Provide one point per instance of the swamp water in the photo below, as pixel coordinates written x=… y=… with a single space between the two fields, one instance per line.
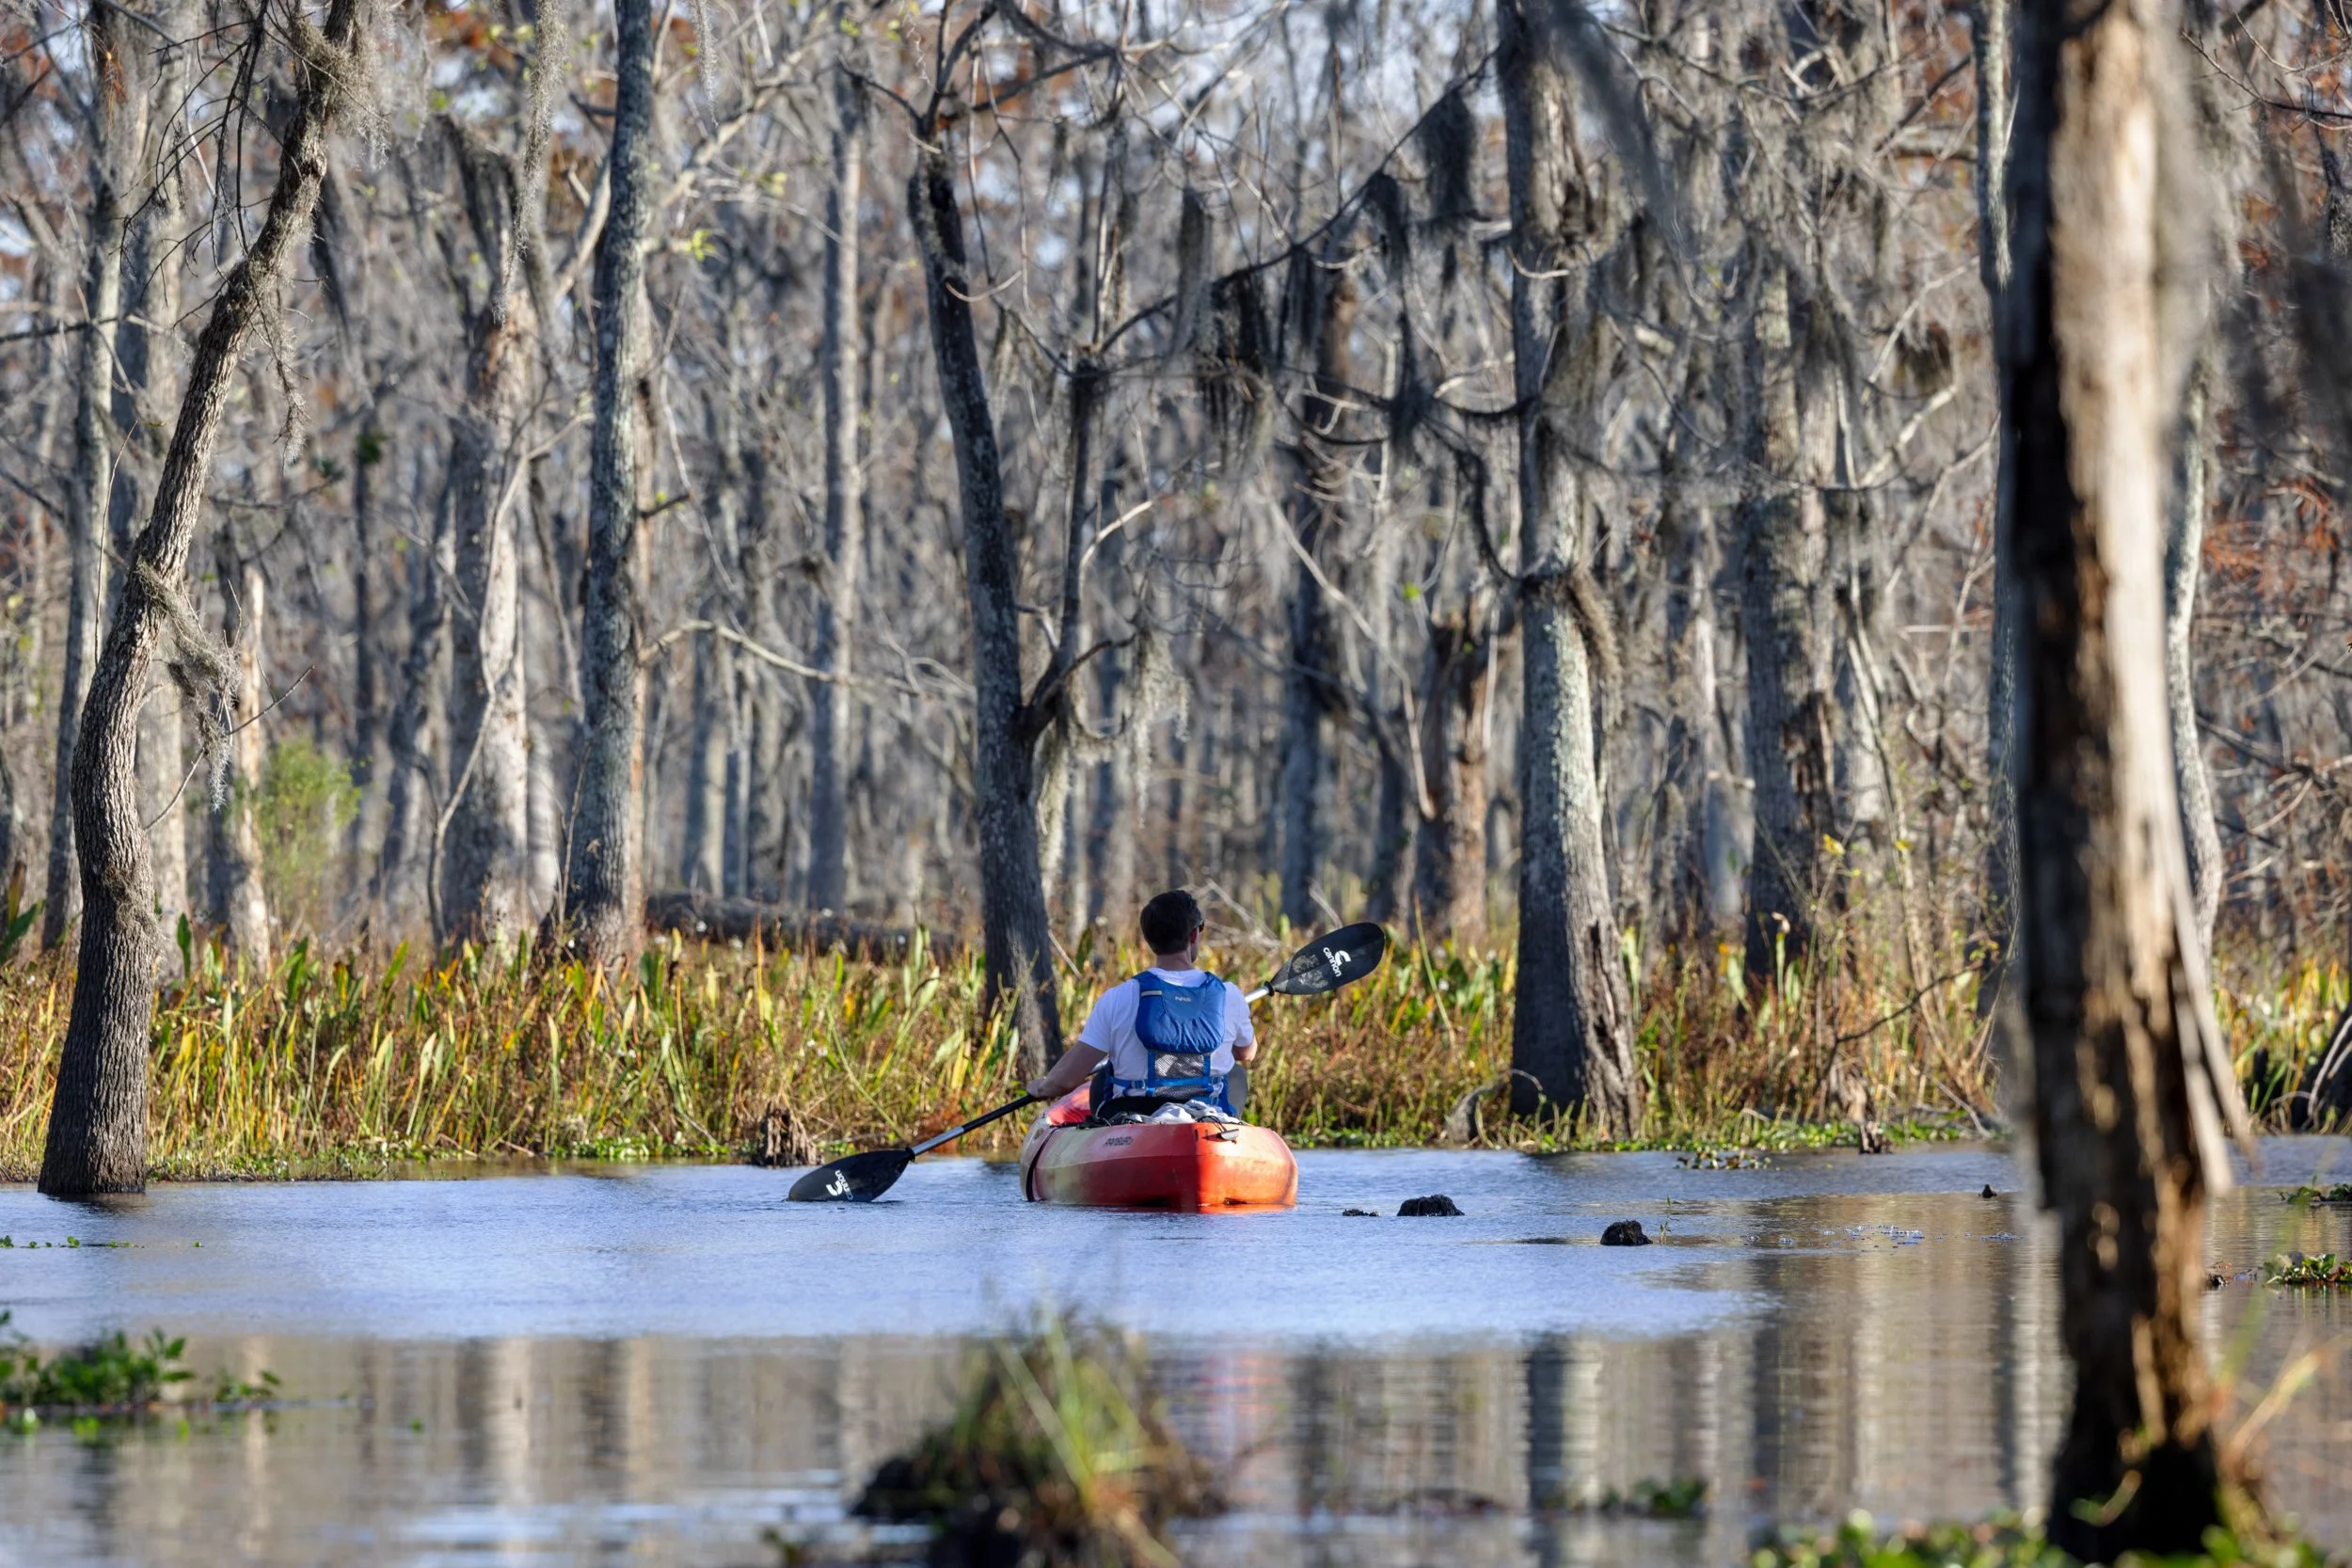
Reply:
x=659 y=1364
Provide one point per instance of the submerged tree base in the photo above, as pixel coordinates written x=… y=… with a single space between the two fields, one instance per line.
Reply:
x=1057 y=1452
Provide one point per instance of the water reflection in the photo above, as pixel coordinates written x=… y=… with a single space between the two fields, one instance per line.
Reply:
x=1804 y=1352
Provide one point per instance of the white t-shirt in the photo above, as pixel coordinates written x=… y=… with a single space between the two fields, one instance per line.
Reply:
x=1110 y=1028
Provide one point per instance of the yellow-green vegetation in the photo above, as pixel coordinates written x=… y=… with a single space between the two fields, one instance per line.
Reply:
x=302 y=804
x=342 y=1064
x=1058 y=1451
x=2003 y=1543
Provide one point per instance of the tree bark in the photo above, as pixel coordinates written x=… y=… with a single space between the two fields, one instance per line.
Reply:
x=1783 y=609
x=232 y=864
x=116 y=124
x=414 y=781
x=1450 y=848
x=148 y=347
x=485 y=851
x=766 y=835
x=2132 y=1083
x=1698 y=877
x=486 y=855
x=604 y=898
x=367 y=680
x=97 y=1140
x=1572 y=1018
x=702 y=858
x=2184 y=545
x=1318 y=507
x=1991 y=32
x=1016 y=943
x=830 y=865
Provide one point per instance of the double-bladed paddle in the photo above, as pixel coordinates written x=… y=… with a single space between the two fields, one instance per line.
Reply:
x=1329 y=962
x=1323 y=965
x=864 y=1178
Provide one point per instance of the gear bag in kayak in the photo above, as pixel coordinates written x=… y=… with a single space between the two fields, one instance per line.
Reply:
x=1182 y=1028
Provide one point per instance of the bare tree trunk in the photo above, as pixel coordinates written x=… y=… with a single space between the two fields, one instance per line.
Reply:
x=1394 y=844
x=1111 y=827
x=829 y=861
x=1699 y=861
x=1995 y=104
x=736 y=838
x=367 y=681
x=148 y=346
x=486 y=850
x=414 y=782
x=1017 y=955
x=604 y=897
x=763 y=833
x=234 y=894
x=2184 y=544
x=1318 y=507
x=97 y=1140
x=1572 y=1015
x=2130 y=1080
x=1450 y=848
x=1784 y=609
x=117 y=125
x=702 y=863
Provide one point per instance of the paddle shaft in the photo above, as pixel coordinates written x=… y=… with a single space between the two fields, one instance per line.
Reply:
x=954 y=1132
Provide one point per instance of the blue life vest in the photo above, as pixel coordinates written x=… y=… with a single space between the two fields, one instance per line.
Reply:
x=1182 y=1028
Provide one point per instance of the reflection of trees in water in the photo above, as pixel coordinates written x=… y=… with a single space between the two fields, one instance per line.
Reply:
x=1915 y=1381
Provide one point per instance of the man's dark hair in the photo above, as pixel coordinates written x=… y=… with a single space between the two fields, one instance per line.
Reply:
x=1170 y=920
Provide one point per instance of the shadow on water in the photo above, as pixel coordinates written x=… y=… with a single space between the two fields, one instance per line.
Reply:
x=658 y=1365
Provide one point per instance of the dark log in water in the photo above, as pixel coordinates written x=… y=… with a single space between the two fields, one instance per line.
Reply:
x=713 y=918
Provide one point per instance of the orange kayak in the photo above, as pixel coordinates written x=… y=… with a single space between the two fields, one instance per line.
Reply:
x=1186 y=1164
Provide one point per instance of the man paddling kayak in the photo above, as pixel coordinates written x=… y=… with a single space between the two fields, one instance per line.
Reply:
x=1173 y=1033
x=1191 y=1163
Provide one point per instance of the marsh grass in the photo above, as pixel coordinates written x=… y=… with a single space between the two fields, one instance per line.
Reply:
x=345 y=1064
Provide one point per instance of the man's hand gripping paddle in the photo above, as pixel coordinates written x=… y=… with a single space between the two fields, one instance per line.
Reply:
x=1323 y=965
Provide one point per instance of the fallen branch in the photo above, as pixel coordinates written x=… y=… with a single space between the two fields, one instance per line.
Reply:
x=714 y=918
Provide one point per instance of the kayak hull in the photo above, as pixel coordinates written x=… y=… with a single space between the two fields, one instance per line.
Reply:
x=1185 y=1166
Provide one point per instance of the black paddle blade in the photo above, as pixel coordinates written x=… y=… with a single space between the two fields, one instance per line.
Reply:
x=1331 y=961
x=854 y=1178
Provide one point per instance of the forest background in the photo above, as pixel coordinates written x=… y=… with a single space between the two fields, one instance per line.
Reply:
x=1525 y=474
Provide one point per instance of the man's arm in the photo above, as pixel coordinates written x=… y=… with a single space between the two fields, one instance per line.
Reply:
x=1245 y=1028
x=1076 y=1066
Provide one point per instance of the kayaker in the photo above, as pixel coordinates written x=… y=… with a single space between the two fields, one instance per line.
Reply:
x=1173 y=1033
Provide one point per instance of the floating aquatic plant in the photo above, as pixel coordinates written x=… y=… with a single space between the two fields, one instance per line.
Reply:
x=2004 y=1542
x=2308 y=1195
x=112 y=1377
x=2314 y=1271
